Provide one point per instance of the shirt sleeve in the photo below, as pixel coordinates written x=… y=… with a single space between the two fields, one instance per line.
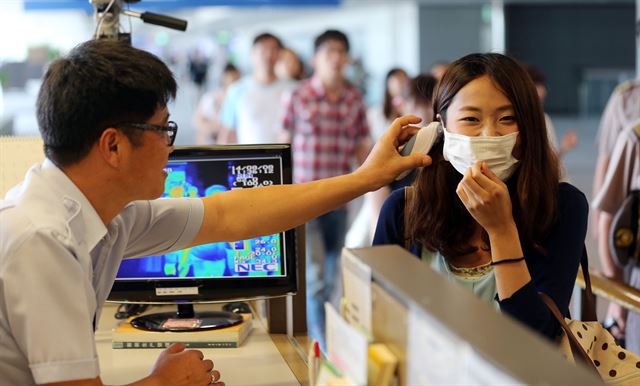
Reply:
x=610 y=124
x=50 y=308
x=163 y=225
x=554 y=273
x=617 y=181
x=289 y=116
x=390 y=227
x=206 y=106
x=229 y=112
x=363 y=131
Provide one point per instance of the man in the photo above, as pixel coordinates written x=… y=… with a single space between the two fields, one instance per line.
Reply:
x=622 y=109
x=326 y=123
x=206 y=119
x=102 y=113
x=623 y=176
x=252 y=110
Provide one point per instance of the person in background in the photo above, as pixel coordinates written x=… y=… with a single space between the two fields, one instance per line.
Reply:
x=623 y=176
x=93 y=201
x=198 y=69
x=483 y=214
x=289 y=66
x=439 y=68
x=418 y=97
x=418 y=101
x=570 y=138
x=360 y=232
x=326 y=124
x=207 y=116
x=395 y=85
x=252 y=110
x=622 y=109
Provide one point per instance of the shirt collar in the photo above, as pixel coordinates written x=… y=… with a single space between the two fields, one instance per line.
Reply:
x=318 y=88
x=83 y=218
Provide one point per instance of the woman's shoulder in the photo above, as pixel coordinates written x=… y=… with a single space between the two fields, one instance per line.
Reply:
x=571 y=198
x=395 y=201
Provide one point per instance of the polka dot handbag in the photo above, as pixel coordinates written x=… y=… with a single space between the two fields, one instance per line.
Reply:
x=590 y=343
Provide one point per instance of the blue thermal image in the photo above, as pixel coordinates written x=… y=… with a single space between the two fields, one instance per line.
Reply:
x=260 y=256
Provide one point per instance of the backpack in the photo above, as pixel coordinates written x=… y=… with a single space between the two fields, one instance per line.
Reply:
x=624 y=237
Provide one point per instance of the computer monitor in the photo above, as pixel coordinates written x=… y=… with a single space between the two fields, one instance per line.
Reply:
x=256 y=268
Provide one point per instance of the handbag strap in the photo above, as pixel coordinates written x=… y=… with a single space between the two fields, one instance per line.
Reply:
x=589 y=299
x=408 y=196
x=577 y=350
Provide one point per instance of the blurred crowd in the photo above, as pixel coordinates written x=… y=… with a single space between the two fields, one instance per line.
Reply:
x=315 y=108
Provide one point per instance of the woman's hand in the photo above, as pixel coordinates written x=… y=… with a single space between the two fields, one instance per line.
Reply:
x=486 y=198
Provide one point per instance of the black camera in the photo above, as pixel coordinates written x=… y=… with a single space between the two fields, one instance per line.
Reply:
x=108 y=19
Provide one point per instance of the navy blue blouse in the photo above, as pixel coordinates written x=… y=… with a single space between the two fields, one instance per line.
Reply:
x=553 y=273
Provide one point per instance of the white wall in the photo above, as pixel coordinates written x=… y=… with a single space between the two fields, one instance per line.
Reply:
x=58 y=29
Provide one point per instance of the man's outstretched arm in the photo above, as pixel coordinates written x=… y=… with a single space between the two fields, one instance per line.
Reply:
x=245 y=213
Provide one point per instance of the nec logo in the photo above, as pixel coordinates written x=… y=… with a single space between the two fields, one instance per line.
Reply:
x=268 y=267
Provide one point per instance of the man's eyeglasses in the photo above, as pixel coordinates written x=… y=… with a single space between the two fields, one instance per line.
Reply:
x=171 y=129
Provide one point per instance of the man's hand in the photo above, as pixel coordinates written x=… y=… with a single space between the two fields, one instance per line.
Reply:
x=385 y=163
x=179 y=367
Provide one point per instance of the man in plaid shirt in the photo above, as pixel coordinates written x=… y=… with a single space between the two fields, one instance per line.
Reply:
x=326 y=123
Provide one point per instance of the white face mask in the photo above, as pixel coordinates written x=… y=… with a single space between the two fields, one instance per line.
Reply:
x=463 y=151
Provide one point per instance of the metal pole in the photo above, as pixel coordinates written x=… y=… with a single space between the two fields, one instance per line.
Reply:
x=498 y=40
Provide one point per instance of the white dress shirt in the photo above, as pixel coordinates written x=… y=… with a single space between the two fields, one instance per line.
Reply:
x=58 y=262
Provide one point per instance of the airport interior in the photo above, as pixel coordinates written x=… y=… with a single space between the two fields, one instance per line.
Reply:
x=289 y=92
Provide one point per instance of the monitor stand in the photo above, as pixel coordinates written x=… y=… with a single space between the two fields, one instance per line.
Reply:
x=186 y=319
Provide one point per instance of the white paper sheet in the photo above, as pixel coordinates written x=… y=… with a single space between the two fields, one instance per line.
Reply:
x=357 y=291
x=479 y=371
x=437 y=357
x=347 y=347
x=434 y=355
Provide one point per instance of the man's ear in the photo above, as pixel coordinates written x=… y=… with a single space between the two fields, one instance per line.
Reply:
x=110 y=146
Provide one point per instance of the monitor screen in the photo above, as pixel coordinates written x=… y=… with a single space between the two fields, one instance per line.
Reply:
x=259 y=267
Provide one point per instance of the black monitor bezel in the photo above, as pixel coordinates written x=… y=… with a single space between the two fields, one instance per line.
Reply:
x=144 y=291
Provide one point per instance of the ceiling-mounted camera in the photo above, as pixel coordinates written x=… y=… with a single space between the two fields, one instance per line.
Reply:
x=108 y=19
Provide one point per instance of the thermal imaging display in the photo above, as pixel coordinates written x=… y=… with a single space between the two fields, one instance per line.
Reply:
x=199 y=177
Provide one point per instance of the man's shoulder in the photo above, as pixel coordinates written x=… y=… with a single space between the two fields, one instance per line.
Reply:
x=634 y=130
x=19 y=227
x=353 y=90
x=303 y=87
x=629 y=86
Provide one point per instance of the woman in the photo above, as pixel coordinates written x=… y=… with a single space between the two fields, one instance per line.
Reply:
x=490 y=213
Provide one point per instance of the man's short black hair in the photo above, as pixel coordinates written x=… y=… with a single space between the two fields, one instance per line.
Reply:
x=99 y=84
x=333 y=35
x=266 y=36
x=230 y=67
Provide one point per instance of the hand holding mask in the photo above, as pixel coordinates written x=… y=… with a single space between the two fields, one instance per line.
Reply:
x=486 y=198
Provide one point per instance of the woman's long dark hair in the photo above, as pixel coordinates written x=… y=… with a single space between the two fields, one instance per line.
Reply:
x=437 y=219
